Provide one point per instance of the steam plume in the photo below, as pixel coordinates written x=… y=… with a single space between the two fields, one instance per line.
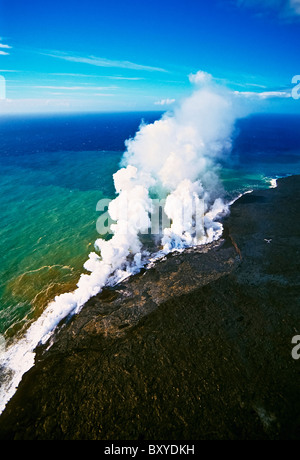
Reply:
x=176 y=159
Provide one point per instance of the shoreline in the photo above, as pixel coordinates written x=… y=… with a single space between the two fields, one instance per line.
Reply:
x=219 y=263
x=21 y=355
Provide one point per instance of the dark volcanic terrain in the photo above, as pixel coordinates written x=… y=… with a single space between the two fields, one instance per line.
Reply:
x=197 y=347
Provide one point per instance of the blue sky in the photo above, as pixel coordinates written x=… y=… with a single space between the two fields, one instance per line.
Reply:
x=129 y=55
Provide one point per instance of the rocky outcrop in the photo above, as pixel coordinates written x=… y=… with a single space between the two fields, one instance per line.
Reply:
x=197 y=347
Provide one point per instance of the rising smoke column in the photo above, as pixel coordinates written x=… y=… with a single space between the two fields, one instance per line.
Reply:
x=176 y=158
x=181 y=152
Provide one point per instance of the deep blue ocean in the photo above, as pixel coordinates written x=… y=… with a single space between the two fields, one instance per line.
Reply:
x=54 y=170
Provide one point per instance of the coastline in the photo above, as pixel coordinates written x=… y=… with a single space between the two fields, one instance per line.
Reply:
x=19 y=357
x=115 y=362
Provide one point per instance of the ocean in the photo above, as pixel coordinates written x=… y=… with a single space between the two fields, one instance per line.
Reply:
x=55 y=169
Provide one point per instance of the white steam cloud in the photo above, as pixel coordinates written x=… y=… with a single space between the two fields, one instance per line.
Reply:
x=200 y=77
x=165 y=102
x=175 y=159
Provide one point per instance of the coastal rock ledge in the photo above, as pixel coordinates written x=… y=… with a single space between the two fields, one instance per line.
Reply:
x=197 y=347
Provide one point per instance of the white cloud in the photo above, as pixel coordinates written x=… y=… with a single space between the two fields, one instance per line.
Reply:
x=200 y=77
x=124 y=78
x=103 y=62
x=77 y=88
x=105 y=94
x=6 y=47
x=165 y=102
x=283 y=8
x=295 y=6
x=264 y=94
x=110 y=77
x=71 y=75
x=94 y=94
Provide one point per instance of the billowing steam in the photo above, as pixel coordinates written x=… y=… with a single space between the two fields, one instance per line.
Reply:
x=174 y=160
